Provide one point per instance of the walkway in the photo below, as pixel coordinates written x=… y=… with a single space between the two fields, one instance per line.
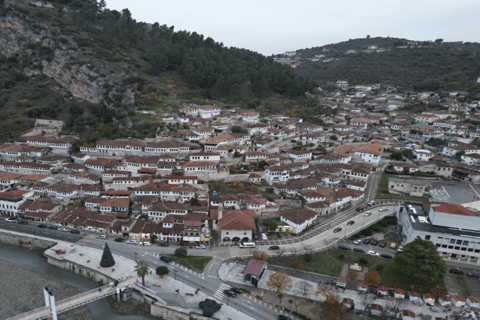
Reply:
x=75 y=301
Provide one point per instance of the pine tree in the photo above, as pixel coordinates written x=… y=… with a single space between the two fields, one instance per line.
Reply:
x=107 y=258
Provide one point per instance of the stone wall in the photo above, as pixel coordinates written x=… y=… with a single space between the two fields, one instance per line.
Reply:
x=24 y=241
x=79 y=269
x=165 y=312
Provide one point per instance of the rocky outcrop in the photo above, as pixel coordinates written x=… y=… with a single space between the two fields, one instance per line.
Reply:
x=80 y=74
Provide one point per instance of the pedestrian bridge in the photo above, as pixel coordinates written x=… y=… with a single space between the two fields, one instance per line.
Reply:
x=86 y=297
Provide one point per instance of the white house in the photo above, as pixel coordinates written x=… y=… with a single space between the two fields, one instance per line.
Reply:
x=298 y=219
x=11 y=200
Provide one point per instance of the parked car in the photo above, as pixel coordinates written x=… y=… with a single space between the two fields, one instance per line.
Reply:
x=393 y=245
x=274 y=248
x=400 y=248
x=118 y=239
x=201 y=246
x=75 y=231
x=349 y=223
x=338 y=229
x=63 y=229
x=22 y=222
x=145 y=243
x=366 y=241
x=163 y=244
x=52 y=227
x=371 y=203
x=359 y=209
x=254 y=236
x=264 y=236
x=345 y=248
x=473 y=275
x=383 y=209
x=357 y=241
x=374 y=242
x=166 y=259
x=13 y=220
x=359 y=250
x=131 y=242
x=230 y=293
x=368 y=213
x=102 y=236
x=237 y=290
x=373 y=253
x=43 y=226
x=386 y=256
x=382 y=245
x=456 y=271
x=282 y=317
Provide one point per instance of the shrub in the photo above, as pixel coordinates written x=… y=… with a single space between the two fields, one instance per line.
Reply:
x=366 y=232
x=362 y=261
x=181 y=252
x=341 y=257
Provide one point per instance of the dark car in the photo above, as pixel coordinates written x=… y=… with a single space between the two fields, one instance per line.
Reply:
x=274 y=248
x=358 y=250
x=163 y=244
x=118 y=239
x=456 y=271
x=43 y=226
x=22 y=222
x=52 y=227
x=337 y=230
x=230 y=293
x=254 y=236
x=349 y=223
x=359 y=209
x=282 y=317
x=345 y=248
x=236 y=290
x=366 y=241
x=374 y=242
x=382 y=245
x=166 y=259
x=75 y=231
x=473 y=275
x=386 y=256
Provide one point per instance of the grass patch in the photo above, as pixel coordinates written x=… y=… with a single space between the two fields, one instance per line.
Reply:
x=195 y=263
x=383 y=193
x=466 y=290
x=270 y=195
x=146 y=117
x=329 y=262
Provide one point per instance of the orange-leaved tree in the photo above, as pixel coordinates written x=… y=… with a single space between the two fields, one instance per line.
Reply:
x=280 y=282
x=295 y=265
x=438 y=290
x=260 y=255
x=373 y=278
x=352 y=275
x=331 y=309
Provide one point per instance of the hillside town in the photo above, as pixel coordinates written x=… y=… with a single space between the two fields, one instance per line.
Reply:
x=212 y=176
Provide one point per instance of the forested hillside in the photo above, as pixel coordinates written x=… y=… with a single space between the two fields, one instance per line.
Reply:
x=422 y=65
x=83 y=63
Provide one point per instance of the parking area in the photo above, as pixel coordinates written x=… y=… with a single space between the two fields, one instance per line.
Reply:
x=455 y=192
x=462 y=284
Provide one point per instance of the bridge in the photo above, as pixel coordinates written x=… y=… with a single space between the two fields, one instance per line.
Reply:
x=86 y=297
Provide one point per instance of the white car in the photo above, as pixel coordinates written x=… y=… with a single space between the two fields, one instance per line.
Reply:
x=145 y=243
x=102 y=236
x=368 y=213
x=373 y=253
x=383 y=209
x=63 y=229
x=400 y=248
x=131 y=242
x=200 y=247
x=371 y=203
x=13 y=220
x=357 y=241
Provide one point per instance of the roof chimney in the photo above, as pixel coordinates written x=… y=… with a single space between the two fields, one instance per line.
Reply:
x=220 y=212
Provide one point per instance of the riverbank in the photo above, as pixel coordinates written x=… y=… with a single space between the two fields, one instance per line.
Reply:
x=22 y=291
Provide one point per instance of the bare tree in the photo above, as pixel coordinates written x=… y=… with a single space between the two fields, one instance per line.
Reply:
x=304 y=289
x=367 y=300
x=392 y=308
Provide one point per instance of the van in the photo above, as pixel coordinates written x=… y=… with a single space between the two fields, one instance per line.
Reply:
x=264 y=236
x=247 y=245
x=393 y=245
x=358 y=250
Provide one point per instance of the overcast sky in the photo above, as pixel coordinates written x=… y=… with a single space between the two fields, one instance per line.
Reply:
x=271 y=27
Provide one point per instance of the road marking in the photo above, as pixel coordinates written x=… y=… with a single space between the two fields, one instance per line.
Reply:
x=478 y=195
x=219 y=293
x=449 y=195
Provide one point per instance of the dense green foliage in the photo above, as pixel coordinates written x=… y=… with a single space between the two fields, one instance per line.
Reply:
x=431 y=67
x=161 y=67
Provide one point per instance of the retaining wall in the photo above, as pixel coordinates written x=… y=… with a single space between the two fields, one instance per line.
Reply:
x=164 y=312
x=24 y=241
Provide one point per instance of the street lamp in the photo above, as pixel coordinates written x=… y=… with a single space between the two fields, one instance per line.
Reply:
x=175 y=273
x=135 y=256
x=34 y=234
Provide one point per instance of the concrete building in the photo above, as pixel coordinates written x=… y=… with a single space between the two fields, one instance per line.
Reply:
x=414 y=188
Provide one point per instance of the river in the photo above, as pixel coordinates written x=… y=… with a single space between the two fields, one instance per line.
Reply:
x=28 y=259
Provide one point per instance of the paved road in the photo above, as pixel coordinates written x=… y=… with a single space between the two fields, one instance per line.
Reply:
x=34 y=230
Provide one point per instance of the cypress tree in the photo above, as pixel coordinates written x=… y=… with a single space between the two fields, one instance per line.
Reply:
x=107 y=258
